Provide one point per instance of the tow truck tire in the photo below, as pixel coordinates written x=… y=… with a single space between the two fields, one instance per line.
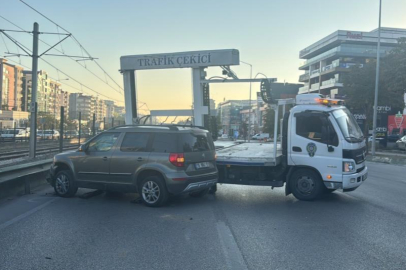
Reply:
x=306 y=185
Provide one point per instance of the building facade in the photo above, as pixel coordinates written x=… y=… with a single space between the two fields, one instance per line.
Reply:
x=230 y=116
x=85 y=104
x=329 y=58
x=11 y=90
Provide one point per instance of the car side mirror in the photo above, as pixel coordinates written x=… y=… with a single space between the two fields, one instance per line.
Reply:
x=83 y=148
x=330 y=148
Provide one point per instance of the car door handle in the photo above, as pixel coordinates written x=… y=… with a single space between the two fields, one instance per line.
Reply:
x=140 y=159
x=296 y=149
x=104 y=158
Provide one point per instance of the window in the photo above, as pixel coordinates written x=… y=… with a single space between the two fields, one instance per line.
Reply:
x=135 y=142
x=103 y=143
x=190 y=142
x=165 y=143
x=316 y=128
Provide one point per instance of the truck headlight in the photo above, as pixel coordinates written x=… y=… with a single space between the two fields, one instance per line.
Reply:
x=348 y=166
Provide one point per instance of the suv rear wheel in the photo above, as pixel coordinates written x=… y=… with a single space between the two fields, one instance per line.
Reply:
x=153 y=191
x=64 y=185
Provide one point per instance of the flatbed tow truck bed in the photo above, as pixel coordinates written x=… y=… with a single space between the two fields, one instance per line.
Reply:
x=249 y=154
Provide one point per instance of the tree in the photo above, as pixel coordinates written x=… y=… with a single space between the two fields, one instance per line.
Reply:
x=359 y=83
x=244 y=130
x=269 y=121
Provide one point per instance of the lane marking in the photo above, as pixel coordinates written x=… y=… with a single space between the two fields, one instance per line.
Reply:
x=26 y=214
x=230 y=248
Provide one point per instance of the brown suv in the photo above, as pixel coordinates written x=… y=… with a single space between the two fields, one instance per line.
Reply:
x=155 y=161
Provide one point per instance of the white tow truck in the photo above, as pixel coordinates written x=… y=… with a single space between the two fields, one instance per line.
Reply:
x=322 y=149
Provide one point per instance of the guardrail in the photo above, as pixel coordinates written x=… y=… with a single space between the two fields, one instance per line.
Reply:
x=19 y=178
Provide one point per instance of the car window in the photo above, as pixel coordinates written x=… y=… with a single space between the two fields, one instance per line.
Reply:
x=165 y=143
x=103 y=143
x=190 y=142
x=135 y=142
x=312 y=128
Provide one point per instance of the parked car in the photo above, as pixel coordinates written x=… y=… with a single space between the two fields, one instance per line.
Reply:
x=370 y=139
x=71 y=134
x=393 y=137
x=260 y=136
x=48 y=134
x=224 y=136
x=401 y=143
x=155 y=161
x=17 y=134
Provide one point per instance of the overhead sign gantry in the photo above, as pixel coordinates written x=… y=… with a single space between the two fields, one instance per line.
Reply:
x=196 y=60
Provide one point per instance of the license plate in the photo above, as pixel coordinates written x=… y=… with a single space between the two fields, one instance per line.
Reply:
x=364 y=177
x=201 y=165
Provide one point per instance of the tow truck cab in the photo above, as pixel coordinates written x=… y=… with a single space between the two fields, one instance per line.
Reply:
x=322 y=149
x=324 y=135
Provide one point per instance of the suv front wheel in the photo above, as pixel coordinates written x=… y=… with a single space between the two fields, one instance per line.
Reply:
x=153 y=191
x=64 y=185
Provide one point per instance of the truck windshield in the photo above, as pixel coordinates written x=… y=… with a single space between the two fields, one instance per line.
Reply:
x=348 y=125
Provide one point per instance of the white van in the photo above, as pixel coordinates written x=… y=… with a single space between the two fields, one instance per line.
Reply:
x=260 y=136
x=18 y=134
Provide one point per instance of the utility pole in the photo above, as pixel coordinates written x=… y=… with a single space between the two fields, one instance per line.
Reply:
x=34 y=86
x=376 y=81
x=250 y=107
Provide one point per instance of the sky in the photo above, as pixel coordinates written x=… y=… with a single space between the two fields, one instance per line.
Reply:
x=268 y=34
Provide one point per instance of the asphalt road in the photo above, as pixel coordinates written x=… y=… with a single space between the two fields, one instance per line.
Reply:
x=238 y=228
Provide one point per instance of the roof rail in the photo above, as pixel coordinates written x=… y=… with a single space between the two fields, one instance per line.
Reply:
x=173 y=127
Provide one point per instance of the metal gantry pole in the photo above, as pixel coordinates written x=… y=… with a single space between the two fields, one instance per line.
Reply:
x=250 y=108
x=61 y=129
x=376 y=81
x=80 y=126
x=34 y=86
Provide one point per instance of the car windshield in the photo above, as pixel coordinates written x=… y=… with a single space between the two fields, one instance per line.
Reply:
x=348 y=125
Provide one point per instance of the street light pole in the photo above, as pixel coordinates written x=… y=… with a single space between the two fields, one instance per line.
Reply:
x=249 y=111
x=376 y=81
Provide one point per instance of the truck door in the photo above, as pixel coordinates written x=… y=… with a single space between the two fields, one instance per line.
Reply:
x=314 y=142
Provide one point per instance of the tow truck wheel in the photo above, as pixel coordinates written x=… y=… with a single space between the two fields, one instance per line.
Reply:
x=306 y=185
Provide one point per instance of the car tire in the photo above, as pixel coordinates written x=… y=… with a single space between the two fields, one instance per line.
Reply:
x=306 y=185
x=199 y=194
x=64 y=185
x=153 y=192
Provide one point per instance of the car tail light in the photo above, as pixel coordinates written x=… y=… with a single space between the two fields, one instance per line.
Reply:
x=177 y=159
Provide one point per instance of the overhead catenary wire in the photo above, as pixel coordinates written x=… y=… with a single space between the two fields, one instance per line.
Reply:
x=70 y=57
x=74 y=38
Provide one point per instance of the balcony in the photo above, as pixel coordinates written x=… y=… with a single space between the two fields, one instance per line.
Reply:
x=315 y=73
x=331 y=83
x=304 y=77
x=304 y=89
x=315 y=86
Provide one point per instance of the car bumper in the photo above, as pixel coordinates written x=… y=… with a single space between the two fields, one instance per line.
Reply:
x=178 y=184
x=350 y=181
x=353 y=181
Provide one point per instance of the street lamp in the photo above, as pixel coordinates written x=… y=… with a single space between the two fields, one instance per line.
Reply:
x=249 y=112
x=376 y=81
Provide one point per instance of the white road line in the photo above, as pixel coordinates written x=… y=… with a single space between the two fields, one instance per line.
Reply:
x=232 y=253
x=26 y=214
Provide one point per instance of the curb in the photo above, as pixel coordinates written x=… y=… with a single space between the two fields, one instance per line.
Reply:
x=395 y=160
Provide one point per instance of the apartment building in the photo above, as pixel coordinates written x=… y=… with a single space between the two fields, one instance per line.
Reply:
x=326 y=60
x=10 y=86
